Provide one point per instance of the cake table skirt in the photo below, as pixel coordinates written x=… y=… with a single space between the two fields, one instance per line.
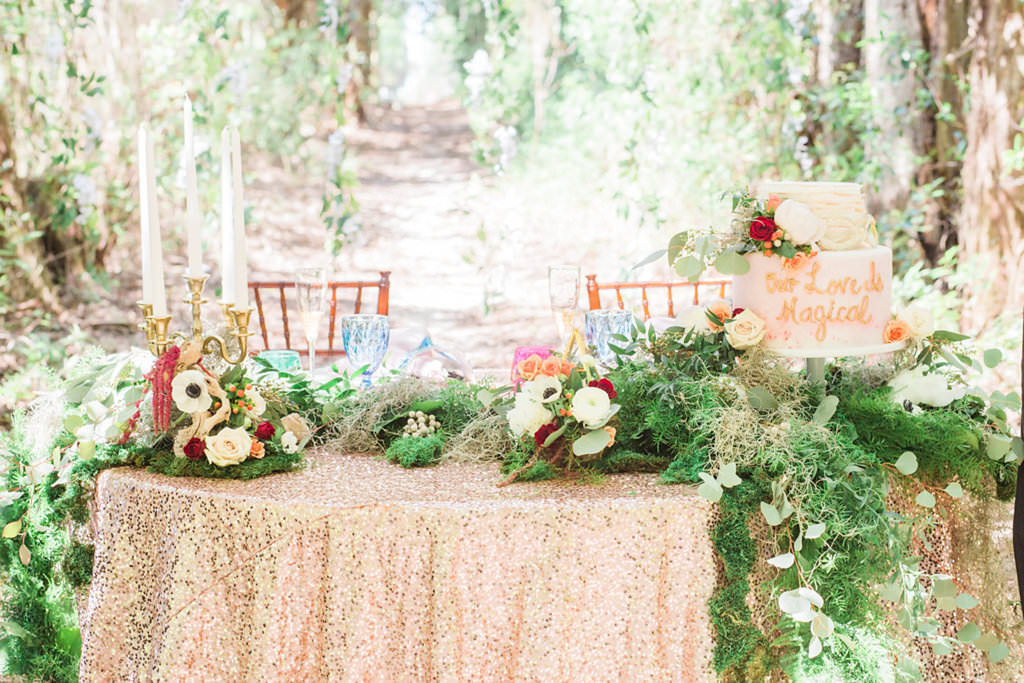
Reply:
x=355 y=569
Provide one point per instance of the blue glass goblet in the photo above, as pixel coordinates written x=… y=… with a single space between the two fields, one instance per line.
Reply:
x=601 y=326
x=365 y=337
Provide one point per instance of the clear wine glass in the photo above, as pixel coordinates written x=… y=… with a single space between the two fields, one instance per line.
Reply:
x=311 y=288
x=601 y=327
x=564 y=293
x=365 y=337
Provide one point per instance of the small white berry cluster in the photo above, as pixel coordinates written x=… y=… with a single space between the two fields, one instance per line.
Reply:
x=420 y=424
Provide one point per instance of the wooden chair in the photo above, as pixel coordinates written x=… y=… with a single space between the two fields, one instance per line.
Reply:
x=594 y=292
x=383 y=287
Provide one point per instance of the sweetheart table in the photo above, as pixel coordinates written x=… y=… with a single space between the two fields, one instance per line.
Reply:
x=356 y=569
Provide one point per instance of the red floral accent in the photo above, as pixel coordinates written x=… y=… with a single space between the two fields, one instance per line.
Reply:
x=542 y=434
x=265 y=431
x=160 y=377
x=195 y=449
x=762 y=228
x=736 y=312
x=605 y=385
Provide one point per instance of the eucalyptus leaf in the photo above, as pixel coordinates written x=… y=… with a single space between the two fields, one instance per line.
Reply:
x=943 y=587
x=651 y=258
x=941 y=647
x=998 y=653
x=986 y=642
x=892 y=591
x=925 y=499
x=591 y=442
x=955 y=490
x=676 y=244
x=86 y=450
x=761 y=399
x=906 y=463
x=771 y=515
x=553 y=436
x=485 y=398
x=946 y=335
x=710 y=490
x=815 y=530
x=11 y=529
x=826 y=409
x=783 y=561
x=966 y=601
x=24 y=554
x=73 y=422
x=731 y=263
x=968 y=633
x=727 y=476
x=997 y=446
x=689 y=267
x=992 y=357
x=946 y=604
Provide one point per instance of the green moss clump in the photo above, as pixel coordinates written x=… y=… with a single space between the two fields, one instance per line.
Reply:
x=415 y=451
x=77 y=564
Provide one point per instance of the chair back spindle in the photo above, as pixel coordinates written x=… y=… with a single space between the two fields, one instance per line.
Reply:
x=594 y=292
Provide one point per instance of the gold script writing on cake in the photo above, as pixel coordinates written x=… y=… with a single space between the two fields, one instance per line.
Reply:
x=821 y=314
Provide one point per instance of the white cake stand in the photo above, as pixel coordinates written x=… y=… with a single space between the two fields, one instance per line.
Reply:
x=816 y=357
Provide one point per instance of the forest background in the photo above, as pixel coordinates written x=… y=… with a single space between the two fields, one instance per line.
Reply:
x=492 y=136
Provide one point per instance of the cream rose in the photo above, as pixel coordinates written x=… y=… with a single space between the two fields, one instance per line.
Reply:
x=799 y=223
x=745 y=330
x=229 y=446
x=528 y=415
x=845 y=233
x=919 y=319
x=294 y=423
x=591 y=405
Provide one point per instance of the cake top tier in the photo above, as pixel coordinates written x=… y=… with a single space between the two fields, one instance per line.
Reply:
x=841 y=205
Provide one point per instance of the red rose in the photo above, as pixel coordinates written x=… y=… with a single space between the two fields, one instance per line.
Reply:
x=264 y=431
x=542 y=434
x=762 y=228
x=194 y=449
x=605 y=385
x=736 y=312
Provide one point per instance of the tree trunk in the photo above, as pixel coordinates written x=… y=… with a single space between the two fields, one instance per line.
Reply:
x=993 y=209
x=362 y=37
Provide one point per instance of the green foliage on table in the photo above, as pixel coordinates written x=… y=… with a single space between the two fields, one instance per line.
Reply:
x=415 y=451
x=162 y=460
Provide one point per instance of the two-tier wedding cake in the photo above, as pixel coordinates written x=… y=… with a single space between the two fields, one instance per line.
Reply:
x=836 y=296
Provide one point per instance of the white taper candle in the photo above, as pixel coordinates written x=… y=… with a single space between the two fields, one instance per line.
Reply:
x=227 y=224
x=147 y=253
x=238 y=211
x=192 y=230
x=155 y=244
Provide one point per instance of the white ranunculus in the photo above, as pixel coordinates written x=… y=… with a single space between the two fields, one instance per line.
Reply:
x=799 y=223
x=229 y=446
x=527 y=416
x=694 y=318
x=289 y=443
x=919 y=319
x=544 y=389
x=845 y=233
x=745 y=330
x=259 y=405
x=188 y=389
x=927 y=388
x=591 y=405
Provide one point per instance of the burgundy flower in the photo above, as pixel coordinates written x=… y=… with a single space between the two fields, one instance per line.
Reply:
x=194 y=449
x=542 y=434
x=762 y=228
x=605 y=385
x=265 y=431
x=736 y=312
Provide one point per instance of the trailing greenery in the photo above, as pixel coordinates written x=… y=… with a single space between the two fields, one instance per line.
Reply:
x=163 y=461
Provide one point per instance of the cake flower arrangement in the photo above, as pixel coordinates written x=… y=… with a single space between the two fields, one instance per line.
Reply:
x=562 y=408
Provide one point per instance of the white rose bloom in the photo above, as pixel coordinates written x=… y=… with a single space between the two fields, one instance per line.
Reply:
x=527 y=416
x=930 y=389
x=591 y=405
x=544 y=389
x=229 y=446
x=745 y=330
x=799 y=223
x=289 y=443
x=259 y=405
x=694 y=318
x=920 y=320
x=844 y=233
x=188 y=389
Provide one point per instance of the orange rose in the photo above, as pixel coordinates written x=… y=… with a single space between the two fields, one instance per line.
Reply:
x=773 y=202
x=552 y=366
x=567 y=367
x=797 y=262
x=529 y=369
x=895 y=331
x=722 y=309
x=611 y=433
x=257 y=450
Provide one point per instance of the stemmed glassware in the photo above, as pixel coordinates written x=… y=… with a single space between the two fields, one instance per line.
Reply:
x=311 y=288
x=564 y=293
x=601 y=328
x=366 y=337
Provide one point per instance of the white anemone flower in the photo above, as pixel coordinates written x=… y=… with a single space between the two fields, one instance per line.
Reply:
x=544 y=388
x=188 y=389
x=289 y=443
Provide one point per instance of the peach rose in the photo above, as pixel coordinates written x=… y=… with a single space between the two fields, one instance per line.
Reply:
x=257 y=449
x=530 y=368
x=611 y=433
x=773 y=202
x=895 y=331
x=567 y=367
x=552 y=366
x=722 y=309
x=798 y=262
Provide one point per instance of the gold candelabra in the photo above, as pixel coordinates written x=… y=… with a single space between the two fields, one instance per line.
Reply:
x=157 y=328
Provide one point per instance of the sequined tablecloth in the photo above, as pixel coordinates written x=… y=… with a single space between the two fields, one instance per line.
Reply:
x=355 y=569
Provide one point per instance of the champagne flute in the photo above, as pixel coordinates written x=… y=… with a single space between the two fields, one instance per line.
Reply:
x=311 y=287
x=564 y=293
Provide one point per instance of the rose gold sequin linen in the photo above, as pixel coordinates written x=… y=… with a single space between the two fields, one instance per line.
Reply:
x=356 y=569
